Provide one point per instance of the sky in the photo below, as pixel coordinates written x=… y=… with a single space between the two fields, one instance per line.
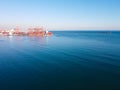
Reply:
x=61 y=14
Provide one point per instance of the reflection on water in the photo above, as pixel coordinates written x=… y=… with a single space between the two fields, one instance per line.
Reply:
x=67 y=60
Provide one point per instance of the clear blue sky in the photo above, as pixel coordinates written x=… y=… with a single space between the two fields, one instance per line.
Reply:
x=61 y=14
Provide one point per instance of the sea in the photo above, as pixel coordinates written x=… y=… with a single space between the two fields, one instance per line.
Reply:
x=67 y=60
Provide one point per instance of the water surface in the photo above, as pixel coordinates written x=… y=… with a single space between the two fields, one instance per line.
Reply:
x=69 y=60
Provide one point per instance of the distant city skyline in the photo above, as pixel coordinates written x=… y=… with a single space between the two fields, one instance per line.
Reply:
x=61 y=14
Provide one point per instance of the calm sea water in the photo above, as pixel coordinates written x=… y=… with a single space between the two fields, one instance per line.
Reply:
x=69 y=60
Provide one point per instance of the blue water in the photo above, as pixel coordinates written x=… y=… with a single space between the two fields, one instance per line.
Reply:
x=69 y=60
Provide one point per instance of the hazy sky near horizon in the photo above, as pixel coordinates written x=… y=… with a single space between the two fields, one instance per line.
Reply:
x=61 y=14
